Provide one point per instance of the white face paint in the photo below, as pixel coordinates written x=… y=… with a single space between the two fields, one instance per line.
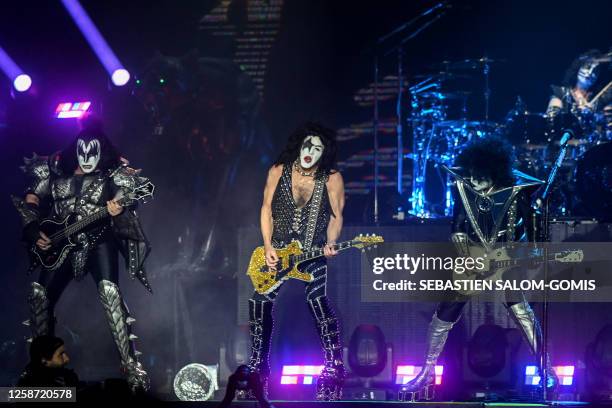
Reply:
x=587 y=74
x=481 y=184
x=88 y=154
x=311 y=151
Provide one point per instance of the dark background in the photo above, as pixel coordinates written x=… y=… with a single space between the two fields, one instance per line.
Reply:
x=321 y=57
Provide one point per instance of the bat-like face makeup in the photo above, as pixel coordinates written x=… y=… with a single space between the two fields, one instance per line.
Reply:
x=311 y=151
x=88 y=153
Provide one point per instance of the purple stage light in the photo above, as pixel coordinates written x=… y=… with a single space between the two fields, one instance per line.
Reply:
x=119 y=75
x=67 y=110
x=21 y=81
x=564 y=373
x=406 y=373
x=300 y=374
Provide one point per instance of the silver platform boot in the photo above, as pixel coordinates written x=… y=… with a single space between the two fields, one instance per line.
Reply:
x=41 y=318
x=422 y=386
x=525 y=319
x=120 y=321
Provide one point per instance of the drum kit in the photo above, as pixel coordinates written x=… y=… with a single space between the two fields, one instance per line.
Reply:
x=441 y=129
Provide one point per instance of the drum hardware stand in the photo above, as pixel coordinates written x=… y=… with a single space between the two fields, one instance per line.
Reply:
x=540 y=206
x=487 y=92
x=399 y=110
x=375 y=132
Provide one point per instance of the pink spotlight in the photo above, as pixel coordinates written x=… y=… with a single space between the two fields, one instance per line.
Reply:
x=289 y=380
x=66 y=110
x=564 y=373
x=300 y=374
x=406 y=373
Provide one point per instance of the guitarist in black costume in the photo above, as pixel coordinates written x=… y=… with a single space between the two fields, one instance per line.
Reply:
x=303 y=200
x=492 y=206
x=86 y=177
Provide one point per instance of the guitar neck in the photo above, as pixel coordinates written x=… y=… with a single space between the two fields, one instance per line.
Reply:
x=521 y=261
x=316 y=253
x=83 y=223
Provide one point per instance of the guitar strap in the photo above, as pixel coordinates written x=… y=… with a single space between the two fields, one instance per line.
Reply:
x=313 y=214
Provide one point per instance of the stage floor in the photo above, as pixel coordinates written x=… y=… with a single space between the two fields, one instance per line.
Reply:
x=390 y=404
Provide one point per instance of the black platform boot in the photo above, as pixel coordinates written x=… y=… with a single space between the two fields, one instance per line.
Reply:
x=329 y=384
x=261 y=323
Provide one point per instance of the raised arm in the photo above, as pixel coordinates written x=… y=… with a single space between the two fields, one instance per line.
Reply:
x=335 y=190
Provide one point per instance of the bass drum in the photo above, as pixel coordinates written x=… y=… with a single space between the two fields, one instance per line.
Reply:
x=594 y=183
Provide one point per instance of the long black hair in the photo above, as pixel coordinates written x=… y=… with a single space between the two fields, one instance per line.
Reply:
x=92 y=128
x=291 y=152
x=570 y=77
x=488 y=157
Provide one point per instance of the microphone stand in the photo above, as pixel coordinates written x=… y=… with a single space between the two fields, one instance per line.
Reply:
x=540 y=205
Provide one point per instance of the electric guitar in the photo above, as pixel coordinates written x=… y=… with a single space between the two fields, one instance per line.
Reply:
x=499 y=260
x=62 y=232
x=265 y=280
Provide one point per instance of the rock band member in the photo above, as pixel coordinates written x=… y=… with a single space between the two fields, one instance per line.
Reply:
x=87 y=177
x=584 y=79
x=493 y=206
x=303 y=200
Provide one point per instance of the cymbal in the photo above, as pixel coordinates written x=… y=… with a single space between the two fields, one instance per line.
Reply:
x=470 y=63
x=441 y=76
x=444 y=95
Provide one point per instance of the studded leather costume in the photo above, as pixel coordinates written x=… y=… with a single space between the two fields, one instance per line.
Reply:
x=97 y=252
x=309 y=226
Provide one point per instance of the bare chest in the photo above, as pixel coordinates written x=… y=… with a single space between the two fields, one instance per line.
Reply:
x=301 y=188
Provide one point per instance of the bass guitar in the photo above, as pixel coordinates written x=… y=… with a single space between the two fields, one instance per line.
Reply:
x=62 y=232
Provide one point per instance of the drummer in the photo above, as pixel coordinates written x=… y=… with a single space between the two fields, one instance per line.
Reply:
x=582 y=82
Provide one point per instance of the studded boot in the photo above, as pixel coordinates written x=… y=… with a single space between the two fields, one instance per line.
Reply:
x=120 y=323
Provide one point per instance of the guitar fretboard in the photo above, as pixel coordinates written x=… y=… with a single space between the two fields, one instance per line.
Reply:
x=79 y=225
x=315 y=253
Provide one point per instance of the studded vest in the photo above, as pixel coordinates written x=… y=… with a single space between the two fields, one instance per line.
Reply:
x=308 y=223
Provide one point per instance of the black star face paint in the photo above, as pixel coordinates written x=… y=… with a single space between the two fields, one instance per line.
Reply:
x=311 y=151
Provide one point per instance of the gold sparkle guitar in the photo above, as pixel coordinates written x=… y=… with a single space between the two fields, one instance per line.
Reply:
x=266 y=280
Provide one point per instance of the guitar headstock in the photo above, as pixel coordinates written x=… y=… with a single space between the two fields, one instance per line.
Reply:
x=366 y=241
x=570 y=256
x=139 y=193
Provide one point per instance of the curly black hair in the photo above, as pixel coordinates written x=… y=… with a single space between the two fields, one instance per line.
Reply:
x=291 y=152
x=569 y=78
x=92 y=128
x=488 y=157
